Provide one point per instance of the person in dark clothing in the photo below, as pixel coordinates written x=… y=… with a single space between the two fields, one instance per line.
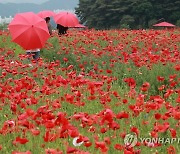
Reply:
x=47 y=19
x=61 y=29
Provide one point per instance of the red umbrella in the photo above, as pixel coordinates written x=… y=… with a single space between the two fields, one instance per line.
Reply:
x=29 y=30
x=80 y=26
x=164 y=24
x=46 y=13
x=66 y=19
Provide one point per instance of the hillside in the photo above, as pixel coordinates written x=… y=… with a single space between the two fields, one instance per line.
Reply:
x=13 y=8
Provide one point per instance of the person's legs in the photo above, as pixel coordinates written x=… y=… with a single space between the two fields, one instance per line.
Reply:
x=29 y=55
x=36 y=55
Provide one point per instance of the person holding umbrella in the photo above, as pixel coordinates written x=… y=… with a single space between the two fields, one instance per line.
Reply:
x=47 y=19
x=65 y=20
x=30 y=32
x=46 y=14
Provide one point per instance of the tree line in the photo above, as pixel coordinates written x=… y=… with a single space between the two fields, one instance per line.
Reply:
x=134 y=14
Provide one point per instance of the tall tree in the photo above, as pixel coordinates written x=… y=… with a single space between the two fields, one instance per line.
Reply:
x=167 y=9
x=105 y=14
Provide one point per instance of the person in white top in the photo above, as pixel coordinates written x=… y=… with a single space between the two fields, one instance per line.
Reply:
x=35 y=53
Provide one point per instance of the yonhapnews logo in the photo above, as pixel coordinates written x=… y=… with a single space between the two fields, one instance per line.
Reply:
x=131 y=140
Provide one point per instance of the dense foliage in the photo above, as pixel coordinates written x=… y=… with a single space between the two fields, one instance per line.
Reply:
x=105 y=14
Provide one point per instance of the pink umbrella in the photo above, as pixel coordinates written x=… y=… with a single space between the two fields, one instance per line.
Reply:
x=46 y=13
x=29 y=30
x=66 y=19
x=80 y=26
x=164 y=24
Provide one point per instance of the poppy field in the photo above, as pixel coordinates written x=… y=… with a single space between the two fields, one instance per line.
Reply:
x=89 y=90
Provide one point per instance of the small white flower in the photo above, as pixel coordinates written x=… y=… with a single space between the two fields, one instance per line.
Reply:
x=30 y=65
x=11 y=123
x=75 y=142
